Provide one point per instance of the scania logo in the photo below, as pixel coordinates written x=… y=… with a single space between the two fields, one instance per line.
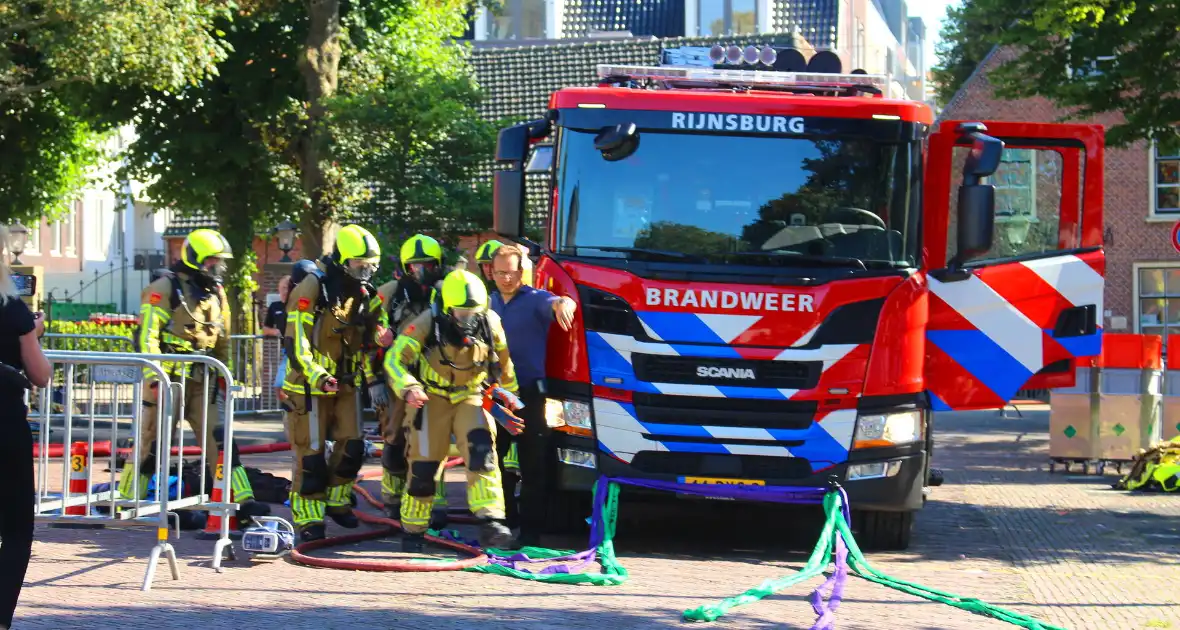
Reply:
x=705 y=371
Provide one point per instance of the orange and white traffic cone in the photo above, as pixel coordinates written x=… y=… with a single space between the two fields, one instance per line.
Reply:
x=79 y=465
x=213 y=521
x=79 y=471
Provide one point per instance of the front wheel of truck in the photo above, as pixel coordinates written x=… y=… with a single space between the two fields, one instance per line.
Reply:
x=882 y=531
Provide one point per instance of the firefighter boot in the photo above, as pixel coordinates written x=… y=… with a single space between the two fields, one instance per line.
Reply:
x=393 y=510
x=438 y=519
x=413 y=543
x=495 y=535
x=438 y=512
x=248 y=510
x=312 y=532
x=343 y=517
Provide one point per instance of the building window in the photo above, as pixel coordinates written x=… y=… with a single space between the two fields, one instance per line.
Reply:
x=71 y=235
x=55 y=235
x=1028 y=204
x=1167 y=175
x=1016 y=187
x=516 y=19
x=727 y=17
x=1157 y=292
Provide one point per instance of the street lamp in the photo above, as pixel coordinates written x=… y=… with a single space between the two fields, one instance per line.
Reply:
x=18 y=239
x=285 y=234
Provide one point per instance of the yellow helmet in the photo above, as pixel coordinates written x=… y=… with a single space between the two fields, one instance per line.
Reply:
x=354 y=242
x=464 y=298
x=487 y=251
x=420 y=248
x=202 y=244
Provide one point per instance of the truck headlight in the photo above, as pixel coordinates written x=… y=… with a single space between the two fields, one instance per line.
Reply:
x=569 y=415
x=888 y=429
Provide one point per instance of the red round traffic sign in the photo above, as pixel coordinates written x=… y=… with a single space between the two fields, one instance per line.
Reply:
x=1176 y=236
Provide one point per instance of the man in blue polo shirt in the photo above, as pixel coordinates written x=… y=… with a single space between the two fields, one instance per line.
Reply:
x=526 y=314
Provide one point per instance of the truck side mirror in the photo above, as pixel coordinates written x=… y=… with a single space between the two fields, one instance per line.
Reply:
x=977 y=200
x=508 y=203
x=618 y=142
x=512 y=147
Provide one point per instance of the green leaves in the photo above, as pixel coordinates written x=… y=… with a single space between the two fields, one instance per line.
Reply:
x=163 y=44
x=1089 y=57
x=407 y=122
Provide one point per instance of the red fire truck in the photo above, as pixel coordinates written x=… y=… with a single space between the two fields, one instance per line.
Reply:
x=781 y=275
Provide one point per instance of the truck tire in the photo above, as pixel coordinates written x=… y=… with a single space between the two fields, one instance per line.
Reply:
x=566 y=512
x=883 y=531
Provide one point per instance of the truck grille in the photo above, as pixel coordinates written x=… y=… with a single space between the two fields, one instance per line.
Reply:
x=655 y=368
x=726 y=412
x=732 y=466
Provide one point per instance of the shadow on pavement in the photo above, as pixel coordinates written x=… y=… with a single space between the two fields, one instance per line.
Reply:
x=403 y=617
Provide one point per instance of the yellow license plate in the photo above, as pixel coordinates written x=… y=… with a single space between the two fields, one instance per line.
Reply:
x=717 y=481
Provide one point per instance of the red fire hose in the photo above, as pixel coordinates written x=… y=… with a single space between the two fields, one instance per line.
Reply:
x=103 y=449
x=390 y=526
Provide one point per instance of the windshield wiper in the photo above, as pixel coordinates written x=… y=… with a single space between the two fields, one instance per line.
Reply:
x=790 y=258
x=649 y=254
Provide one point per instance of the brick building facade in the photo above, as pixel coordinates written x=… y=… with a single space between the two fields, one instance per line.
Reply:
x=1141 y=186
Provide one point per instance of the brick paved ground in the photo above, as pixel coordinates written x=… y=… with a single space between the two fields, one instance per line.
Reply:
x=1069 y=551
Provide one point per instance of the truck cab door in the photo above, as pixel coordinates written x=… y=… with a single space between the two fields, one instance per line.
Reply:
x=1020 y=315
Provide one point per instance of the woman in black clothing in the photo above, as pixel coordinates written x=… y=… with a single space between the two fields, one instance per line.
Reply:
x=20 y=348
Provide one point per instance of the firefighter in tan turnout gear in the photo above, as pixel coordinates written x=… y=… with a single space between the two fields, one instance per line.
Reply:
x=186 y=311
x=440 y=364
x=329 y=334
x=397 y=303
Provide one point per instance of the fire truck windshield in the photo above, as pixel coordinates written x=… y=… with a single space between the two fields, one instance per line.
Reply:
x=755 y=200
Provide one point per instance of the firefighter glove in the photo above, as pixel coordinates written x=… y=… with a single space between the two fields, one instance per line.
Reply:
x=378 y=394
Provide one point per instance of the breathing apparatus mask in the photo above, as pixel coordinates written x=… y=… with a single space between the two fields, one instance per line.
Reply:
x=217 y=271
x=360 y=270
x=424 y=273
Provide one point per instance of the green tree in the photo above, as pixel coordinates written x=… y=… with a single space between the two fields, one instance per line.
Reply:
x=409 y=125
x=47 y=155
x=53 y=52
x=201 y=149
x=1088 y=57
x=159 y=43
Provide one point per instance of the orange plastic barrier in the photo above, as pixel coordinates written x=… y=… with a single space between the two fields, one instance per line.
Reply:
x=1131 y=351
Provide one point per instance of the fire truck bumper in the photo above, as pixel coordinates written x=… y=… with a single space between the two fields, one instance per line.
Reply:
x=886 y=480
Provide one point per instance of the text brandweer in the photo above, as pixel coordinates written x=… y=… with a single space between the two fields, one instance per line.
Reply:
x=730 y=300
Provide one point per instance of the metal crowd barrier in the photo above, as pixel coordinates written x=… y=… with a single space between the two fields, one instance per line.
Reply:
x=102 y=378
x=1114 y=408
x=256 y=361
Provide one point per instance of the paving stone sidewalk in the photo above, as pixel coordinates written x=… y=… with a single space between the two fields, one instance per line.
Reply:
x=1070 y=551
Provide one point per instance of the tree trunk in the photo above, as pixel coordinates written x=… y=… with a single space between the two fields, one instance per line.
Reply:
x=320 y=65
x=238 y=228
